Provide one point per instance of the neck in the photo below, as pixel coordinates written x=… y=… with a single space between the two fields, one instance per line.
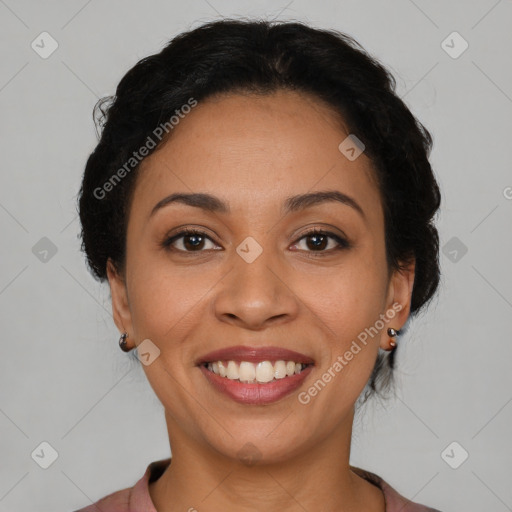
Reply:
x=200 y=478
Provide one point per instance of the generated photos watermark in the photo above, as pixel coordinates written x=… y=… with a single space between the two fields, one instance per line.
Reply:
x=143 y=151
x=305 y=397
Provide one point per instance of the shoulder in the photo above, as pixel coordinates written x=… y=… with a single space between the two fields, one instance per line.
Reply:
x=131 y=499
x=395 y=502
x=118 y=501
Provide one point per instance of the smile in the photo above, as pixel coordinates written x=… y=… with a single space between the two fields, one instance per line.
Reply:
x=255 y=375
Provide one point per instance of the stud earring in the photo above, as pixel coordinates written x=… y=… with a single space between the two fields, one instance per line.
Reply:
x=122 y=342
x=392 y=333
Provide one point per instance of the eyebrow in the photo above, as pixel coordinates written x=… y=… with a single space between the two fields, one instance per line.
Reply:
x=296 y=203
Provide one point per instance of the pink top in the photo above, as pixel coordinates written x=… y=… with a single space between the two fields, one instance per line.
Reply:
x=138 y=499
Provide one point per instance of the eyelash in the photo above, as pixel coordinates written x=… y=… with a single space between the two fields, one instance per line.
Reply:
x=342 y=243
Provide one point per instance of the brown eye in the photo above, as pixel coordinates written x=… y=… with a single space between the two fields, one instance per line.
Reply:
x=193 y=242
x=189 y=241
x=317 y=241
x=322 y=241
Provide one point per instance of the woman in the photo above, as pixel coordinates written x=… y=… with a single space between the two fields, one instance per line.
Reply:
x=261 y=203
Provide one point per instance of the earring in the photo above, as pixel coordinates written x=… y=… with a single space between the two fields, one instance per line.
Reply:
x=122 y=342
x=392 y=333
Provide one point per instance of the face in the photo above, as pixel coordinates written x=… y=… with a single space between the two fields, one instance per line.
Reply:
x=254 y=275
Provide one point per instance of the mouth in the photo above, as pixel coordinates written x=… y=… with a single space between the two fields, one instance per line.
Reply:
x=251 y=375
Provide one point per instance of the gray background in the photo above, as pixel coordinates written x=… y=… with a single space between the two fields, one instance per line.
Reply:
x=64 y=380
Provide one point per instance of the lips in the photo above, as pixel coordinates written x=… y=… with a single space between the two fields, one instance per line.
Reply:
x=254 y=355
x=256 y=394
x=250 y=392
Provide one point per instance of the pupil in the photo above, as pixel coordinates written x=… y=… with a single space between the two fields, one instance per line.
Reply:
x=318 y=240
x=194 y=240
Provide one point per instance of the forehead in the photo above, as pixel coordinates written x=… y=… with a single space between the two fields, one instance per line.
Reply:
x=255 y=149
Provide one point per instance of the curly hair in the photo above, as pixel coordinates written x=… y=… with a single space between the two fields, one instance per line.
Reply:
x=258 y=56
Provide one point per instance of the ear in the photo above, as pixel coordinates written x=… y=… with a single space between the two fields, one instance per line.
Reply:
x=120 y=304
x=398 y=303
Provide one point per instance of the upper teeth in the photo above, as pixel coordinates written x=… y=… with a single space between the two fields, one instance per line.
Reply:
x=264 y=371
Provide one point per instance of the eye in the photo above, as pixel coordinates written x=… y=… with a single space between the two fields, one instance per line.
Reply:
x=193 y=240
x=318 y=241
x=188 y=240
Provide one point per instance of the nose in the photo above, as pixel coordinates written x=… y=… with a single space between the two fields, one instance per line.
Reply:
x=257 y=294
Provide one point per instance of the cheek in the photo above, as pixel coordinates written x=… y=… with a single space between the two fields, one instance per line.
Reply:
x=346 y=300
x=165 y=299
x=347 y=310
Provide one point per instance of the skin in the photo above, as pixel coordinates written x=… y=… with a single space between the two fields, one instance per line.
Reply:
x=253 y=152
